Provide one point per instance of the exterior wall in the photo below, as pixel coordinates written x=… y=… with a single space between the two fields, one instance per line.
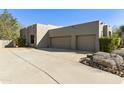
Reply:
x=107 y=30
x=32 y=30
x=101 y=25
x=104 y=30
x=5 y=43
x=86 y=28
x=42 y=35
x=91 y=28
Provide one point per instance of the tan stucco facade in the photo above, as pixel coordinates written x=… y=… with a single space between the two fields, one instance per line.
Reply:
x=76 y=31
x=40 y=33
x=83 y=37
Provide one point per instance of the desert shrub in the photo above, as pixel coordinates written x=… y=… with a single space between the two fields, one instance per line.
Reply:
x=109 y=44
x=106 y=44
x=117 y=42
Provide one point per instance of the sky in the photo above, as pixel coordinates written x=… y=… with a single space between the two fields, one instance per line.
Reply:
x=66 y=17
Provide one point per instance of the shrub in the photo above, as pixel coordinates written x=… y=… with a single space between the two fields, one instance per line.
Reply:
x=117 y=42
x=21 y=42
x=106 y=44
x=109 y=44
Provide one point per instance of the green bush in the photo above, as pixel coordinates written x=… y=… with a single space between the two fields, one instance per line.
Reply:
x=109 y=44
x=21 y=42
x=117 y=42
x=106 y=44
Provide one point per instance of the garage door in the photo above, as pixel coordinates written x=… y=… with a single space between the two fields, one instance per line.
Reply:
x=86 y=42
x=61 y=42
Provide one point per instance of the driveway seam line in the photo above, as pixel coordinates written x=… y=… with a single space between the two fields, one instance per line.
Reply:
x=25 y=60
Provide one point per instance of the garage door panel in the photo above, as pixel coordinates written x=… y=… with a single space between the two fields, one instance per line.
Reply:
x=86 y=42
x=61 y=42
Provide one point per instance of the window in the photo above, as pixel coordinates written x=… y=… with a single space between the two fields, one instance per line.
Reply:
x=32 y=39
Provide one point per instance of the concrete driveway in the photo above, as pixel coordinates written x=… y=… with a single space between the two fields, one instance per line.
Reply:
x=49 y=66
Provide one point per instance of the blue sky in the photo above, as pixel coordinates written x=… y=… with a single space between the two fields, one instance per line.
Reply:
x=67 y=17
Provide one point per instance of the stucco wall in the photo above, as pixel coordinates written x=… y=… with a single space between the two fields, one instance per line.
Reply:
x=5 y=43
x=104 y=30
x=90 y=28
x=32 y=31
x=107 y=29
x=86 y=28
x=42 y=35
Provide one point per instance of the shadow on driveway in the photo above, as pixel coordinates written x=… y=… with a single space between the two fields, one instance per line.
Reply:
x=65 y=50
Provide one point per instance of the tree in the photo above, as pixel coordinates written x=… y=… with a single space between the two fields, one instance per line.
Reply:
x=9 y=26
x=117 y=31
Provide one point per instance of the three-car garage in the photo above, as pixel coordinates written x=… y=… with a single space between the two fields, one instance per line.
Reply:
x=84 y=37
x=82 y=42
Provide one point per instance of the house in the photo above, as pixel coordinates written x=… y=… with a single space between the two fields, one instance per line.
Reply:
x=83 y=37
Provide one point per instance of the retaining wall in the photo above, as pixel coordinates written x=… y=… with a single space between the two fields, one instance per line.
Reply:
x=5 y=43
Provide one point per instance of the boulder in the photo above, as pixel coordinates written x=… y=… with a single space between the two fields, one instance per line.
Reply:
x=110 y=62
x=107 y=59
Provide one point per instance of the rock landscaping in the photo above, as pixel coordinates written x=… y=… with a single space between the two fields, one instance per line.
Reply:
x=119 y=52
x=109 y=62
